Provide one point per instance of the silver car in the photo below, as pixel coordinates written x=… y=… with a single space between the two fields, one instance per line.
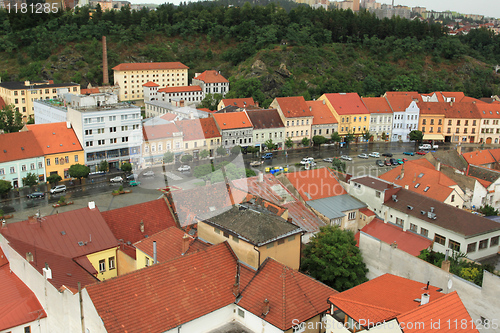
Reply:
x=346 y=158
x=363 y=156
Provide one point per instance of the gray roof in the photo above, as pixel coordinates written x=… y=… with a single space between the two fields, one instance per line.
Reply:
x=155 y=121
x=484 y=173
x=254 y=226
x=333 y=207
x=448 y=157
x=463 y=181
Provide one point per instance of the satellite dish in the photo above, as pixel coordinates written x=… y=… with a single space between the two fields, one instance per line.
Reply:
x=450 y=284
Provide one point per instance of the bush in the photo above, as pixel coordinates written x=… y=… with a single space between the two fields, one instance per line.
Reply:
x=62 y=200
x=120 y=188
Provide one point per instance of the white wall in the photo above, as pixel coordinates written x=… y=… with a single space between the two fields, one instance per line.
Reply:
x=37 y=326
x=256 y=324
x=45 y=114
x=367 y=195
x=207 y=322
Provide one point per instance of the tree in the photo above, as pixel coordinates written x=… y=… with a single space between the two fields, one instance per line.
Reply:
x=270 y=144
x=126 y=167
x=488 y=210
x=54 y=178
x=367 y=135
x=204 y=153
x=252 y=150
x=333 y=258
x=103 y=166
x=5 y=186
x=318 y=140
x=306 y=142
x=79 y=171
x=210 y=101
x=335 y=137
x=288 y=143
x=339 y=165
x=168 y=157
x=10 y=119
x=202 y=170
x=186 y=158
x=384 y=136
x=221 y=151
x=416 y=136
x=31 y=179
x=235 y=150
x=349 y=138
x=249 y=173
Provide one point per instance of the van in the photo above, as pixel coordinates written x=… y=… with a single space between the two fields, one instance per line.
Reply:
x=57 y=189
x=267 y=156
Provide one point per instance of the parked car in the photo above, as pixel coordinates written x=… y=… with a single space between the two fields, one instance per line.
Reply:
x=394 y=161
x=116 y=179
x=374 y=154
x=380 y=163
x=345 y=157
x=328 y=159
x=149 y=173
x=132 y=176
x=58 y=189
x=307 y=160
x=427 y=146
x=405 y=160
x=256 y=163
x=134 y=183
x=363 y=156
x=409 y=153
x=421 y=152
x=387 y=162
x=400 y=161
x=184 y=168
x=267 y=156
x=387 y=154
x=35 y=195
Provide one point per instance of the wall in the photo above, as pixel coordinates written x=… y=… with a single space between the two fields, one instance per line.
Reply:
x=60 y=167
x=458 y=199
x=19 y=174
x=45 y=113
x=255 y=323
x=141 y=259
x=104 y=255
x=276 y=134
x=367 y=195
x=125 y=264
x=207 y=322
x=37 y=326
x=381 y=258
x=287 y=253
x=379 y=121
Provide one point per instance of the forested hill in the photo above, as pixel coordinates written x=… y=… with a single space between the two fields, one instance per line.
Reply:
x=266 y=51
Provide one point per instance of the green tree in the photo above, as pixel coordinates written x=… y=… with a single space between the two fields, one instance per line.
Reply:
x=367 y=135
x=305 y=142
x=488 y=210
x=288 y=143
x=103 y=166
x=210 y=101
x=54 y=178
x=186 y=158
x=349 y=138
x=202 y=170
x=250 y=173
x=339 y=165
x=335 y=137
x=31 y=179
x=204 y=153
x=270 y=144
x=79 y=171
x=318 y=140
x=252 y=150
x=5 y=186
x=221 y=151
x=168 y=157
x=416 y=136
x=384 y=136
x=333 y=258
x=235 y=150
x=10 y=119
x=126 y=167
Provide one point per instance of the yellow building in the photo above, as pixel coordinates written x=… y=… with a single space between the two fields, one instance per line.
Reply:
x=350 y=112
x=296 y=116
x=254 y=234
x=199 y=134
x=132 y=76
x=432 y=120
x=22 y=94
x=60 y=147
x=158 y=140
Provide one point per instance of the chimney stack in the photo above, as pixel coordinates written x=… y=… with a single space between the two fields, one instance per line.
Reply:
x=261 y=177
x=424 y=299
x=105 y=78
x=91 y=204
x=445 y=264
x=185 y=244
x=47 y=272
x=154 y=253
x=265 y=308
x=142 y=226
x=438 y=166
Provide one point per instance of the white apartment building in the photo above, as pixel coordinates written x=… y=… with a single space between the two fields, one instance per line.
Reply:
x=159 y=108
x=406 y=112
x=211 y=82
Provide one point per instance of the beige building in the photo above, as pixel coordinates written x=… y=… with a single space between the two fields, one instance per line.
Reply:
x=296 y=116
x=158 y=140
x=22 y=94
x=132 y=76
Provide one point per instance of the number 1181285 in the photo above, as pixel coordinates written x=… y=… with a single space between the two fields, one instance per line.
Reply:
x=34 y=8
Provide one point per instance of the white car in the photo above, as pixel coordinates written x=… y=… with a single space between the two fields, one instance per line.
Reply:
x=307 y=160
x=363 y=156
x=149 y=173
x=256 y=163
x=184 y=168
x=374 y=154
x=328 y=159
x=346 y=158
x=57 y=189
x=427 y=146
x=116 y=179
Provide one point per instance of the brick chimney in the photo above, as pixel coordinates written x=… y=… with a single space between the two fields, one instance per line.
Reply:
x=105 y=78
x=141 y=226
x=265 y=308
x=185 y=243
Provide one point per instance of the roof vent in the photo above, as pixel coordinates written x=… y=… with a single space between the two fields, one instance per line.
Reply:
x=22 y=148
x=409 y=207
x=424 y=299
x=431 y=215
x=63 y=232
x=422 y=212
x=80 y=243
x=53 y=133
x=431 y=209
x=421 y=175
x=394 y=198
x=4 y=151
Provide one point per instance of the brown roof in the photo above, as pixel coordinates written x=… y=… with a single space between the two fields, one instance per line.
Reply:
x=377 y=104
x=321 y=113
x=232 y=120
x=138 y=66
x=211 y=76
x=19 y=146
x=263 y=119
x=161 y=131
x=484 y=174
x=347 y=103
x=55 y=138
x=447 y=216
x=374 y=183
x=450 y=110
x=295 y=106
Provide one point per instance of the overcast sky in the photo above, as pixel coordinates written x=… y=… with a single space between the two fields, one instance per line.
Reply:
x=490 y=8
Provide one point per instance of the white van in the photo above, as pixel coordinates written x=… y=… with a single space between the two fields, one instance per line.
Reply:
x=57 y=189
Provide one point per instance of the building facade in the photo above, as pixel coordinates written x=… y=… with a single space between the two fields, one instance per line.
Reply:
x=159 y=108
x=199 y=134
x=267 y=125
x=211 y=82
x=380 y=117
x=489 y=124
x=296 y=116
x=406 y=112
x=158 y=140
x=236 y=129
x=324 y=123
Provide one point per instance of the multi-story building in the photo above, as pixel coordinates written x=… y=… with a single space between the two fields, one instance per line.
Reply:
x=267 y=125
x=489 y=124
x=462 y=122
x=20 y=154
x=107 y=131
x=60 y=147
x=211 y=82
x=443 y=96
x=296 y=116
x=159 y=108
x=132 y=76
x=235 y=128
x=23 y=94
x=190 y=95
x=406 y=111
x=159 y=139
x=199 y=134
x=350 y=112
x=240 y=103
x=432 y=120
x=380 y=117
x=324 y=123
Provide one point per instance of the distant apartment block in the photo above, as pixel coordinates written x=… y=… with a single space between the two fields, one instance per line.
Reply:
x=188 y=95
x=160 y=108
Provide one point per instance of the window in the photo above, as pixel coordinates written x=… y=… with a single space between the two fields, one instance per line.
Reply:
x=111 y=263
x=453 y=198
x=2 y=171
x=352 y=215
x=125 y=139
x=236 y=239
x=291 y=238
x=112 y=118
x=439 y=239
x=225 y=234
x=281 y=241
x=113 y=140
x=424 y=122
x=424 y=232
x=377 y=194
x=102 y=265
x=23 y=167
x=27 y=329
x=12 y=170
x=56 y=160
x=483 y=244
x=399 y=221
x=413 y=227
x=455 y=246
x=147 y=261
x=471 y=247
x=112 y=129
x=217 y=231
x=76 y=158
x=494 y=241
x=66 y=159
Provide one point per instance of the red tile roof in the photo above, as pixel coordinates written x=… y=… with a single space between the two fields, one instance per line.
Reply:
x=149 y=66
x=400 y=101
x=295 y=106
x=447 y=309
x=211 y=76
x=479 y=157
x=19 y=304
x=232 y=120
x=150 y=84
x=291 y=295
x=321 y=113
x=347 y=103
x=442 y=95
x=382 y=298
x=315 y=184
x=180 y=89
x=367 y=212
x=239 y=102
x=169 y=244
x=89 y=91
x=421 y=172
x=168 y=116
x=161 y=131
x=209 y=128
x=377 y=104
x=125 y=223
x=19 y=146
x=169 y=294
x=489 y=111
x=197 y=129
x=495 y=153
x=407 y=241
x=55 y=138
x=451 y=110
x=483 y=182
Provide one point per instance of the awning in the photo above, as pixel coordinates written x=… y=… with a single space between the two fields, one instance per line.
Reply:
x=438 y=137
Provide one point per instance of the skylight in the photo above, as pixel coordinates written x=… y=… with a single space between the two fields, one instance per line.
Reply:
x=418 y=184
x=421 y=175
x=427 y=188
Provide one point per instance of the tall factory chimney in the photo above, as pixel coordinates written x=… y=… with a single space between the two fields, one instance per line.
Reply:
x=105 y=78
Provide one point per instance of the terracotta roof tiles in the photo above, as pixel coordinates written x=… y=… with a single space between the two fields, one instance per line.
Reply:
x=479 y=157
x=292 y=107
x=239 y=102
x=377 y=104
x=19 y=146
x=198 y=129
x=400 y=101
x=232 y=120
x=180 y=89
x=161 y=131
x=347 y=103
x=451 y=109
x=263 y=119
x=150 y=84
x=138 y=66
x=315 y=184
x=89 y=91
x=211 y=76
x=321 y=113
x=55 y=138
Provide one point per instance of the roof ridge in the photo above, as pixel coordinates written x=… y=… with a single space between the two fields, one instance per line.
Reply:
x=363 y=304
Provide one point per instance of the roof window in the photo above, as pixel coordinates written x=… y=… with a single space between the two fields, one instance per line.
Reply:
x=418 y=184
x=427 y=188
x=421 y=175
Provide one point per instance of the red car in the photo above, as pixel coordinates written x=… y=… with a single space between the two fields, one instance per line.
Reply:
x=421 y=152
